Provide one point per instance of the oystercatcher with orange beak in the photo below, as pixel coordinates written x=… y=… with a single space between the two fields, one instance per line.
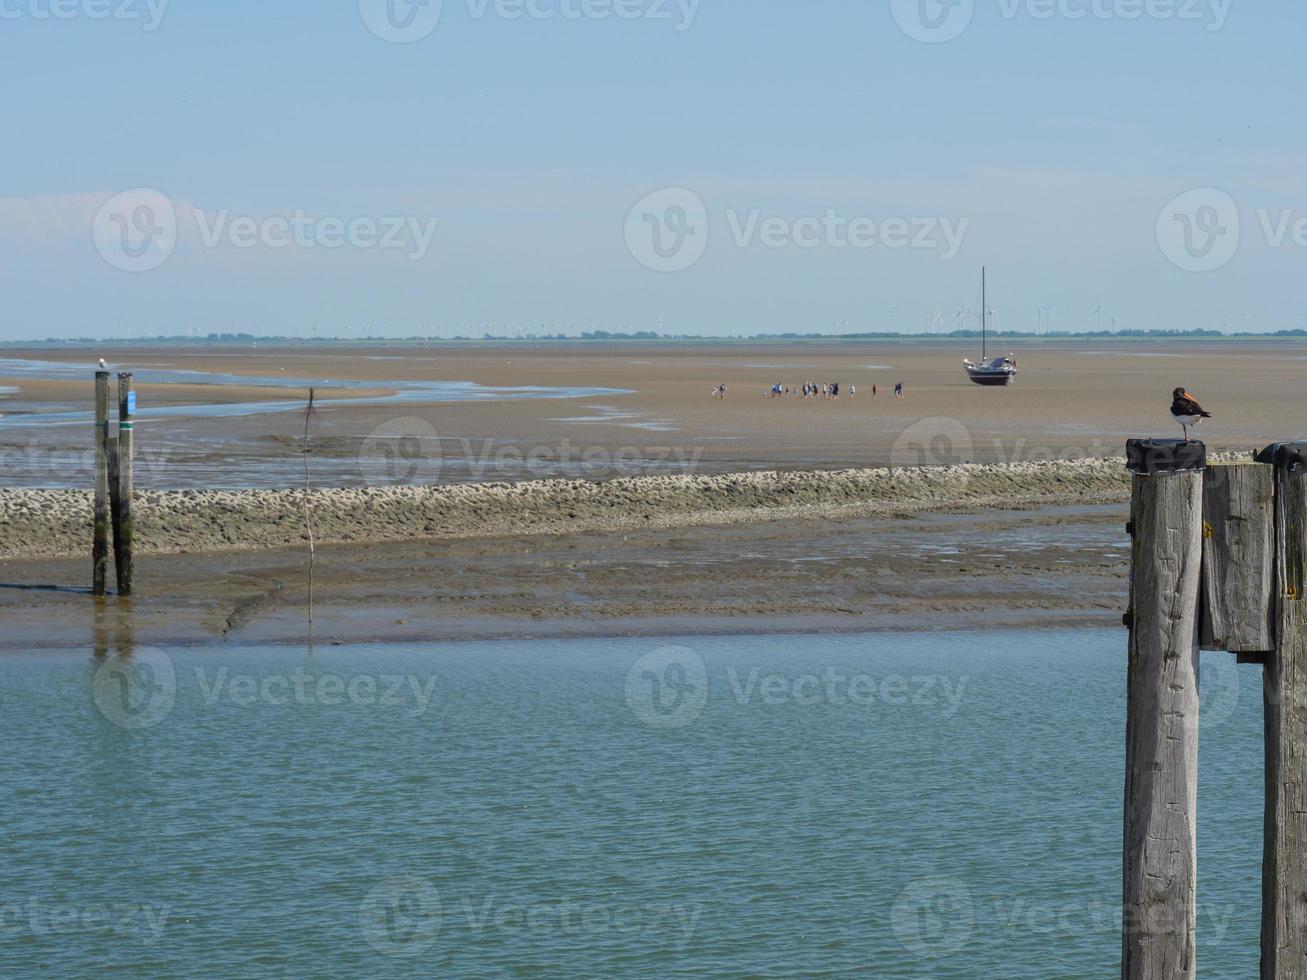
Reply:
x=1186 y=410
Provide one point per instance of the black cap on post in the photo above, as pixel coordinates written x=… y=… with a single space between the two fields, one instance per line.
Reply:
x=1153 y=456
x=1291 y=455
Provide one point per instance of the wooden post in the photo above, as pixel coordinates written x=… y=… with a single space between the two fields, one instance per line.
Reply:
x=122 y=517
x=100 y=542
x=1159 y=900
x=1238 y=559
x=1284 y=856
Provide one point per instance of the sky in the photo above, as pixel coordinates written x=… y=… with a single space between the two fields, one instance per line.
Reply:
x=707 y=167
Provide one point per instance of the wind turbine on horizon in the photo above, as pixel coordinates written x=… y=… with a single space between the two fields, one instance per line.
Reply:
x=1046 y=317
x=1100 y=313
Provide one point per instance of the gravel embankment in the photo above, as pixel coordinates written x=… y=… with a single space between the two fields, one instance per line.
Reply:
x=57 y=523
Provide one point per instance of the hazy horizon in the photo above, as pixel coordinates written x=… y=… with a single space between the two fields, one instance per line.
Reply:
x=678 y=166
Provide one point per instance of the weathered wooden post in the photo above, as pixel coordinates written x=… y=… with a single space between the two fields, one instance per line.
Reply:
x=100 y=541
x=1238 y=559
x=1284 y=856
x=1159 y=900
x=123 y=488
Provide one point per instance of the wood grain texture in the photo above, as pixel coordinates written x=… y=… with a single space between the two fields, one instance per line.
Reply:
x=123 y=489
x=1284 y=861
x=100 y=539
x=1238 y=558
x=1161 y=791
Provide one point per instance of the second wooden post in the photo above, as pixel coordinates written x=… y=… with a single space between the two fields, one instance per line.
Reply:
x=123 y=486
x=1159 y=911
x=1284 y=859
x=100 y=519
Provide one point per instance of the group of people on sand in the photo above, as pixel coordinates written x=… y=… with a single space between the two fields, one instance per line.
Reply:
x=811 y=389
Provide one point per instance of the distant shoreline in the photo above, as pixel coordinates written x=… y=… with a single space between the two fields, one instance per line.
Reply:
x=601 y=338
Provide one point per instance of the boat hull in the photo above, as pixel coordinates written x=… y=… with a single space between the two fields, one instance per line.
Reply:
x=991 y=378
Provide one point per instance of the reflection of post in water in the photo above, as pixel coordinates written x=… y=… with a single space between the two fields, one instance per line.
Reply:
x=114 y=627
x=124 y=634
x=100 y=629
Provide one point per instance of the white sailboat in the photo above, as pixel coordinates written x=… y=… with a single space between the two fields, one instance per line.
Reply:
x=999 y=370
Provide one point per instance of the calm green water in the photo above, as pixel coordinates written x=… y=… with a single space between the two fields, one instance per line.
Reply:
x=881 y=806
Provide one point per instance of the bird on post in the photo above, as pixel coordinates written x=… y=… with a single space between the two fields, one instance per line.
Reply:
x=103 y=366
x=1186 y=410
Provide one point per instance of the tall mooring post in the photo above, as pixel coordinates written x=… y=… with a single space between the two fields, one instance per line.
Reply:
x=1253 y=532
x=1284 y=854
x=122 y=485
x=113 y=485
x=1159 y=901
x=100 y=538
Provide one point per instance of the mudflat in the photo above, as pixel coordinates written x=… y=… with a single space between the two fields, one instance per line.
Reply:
x=652 y=508
x=1072 y=399
x=1050 y=567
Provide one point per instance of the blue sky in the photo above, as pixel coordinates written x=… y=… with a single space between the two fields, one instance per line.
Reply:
x=501 y=153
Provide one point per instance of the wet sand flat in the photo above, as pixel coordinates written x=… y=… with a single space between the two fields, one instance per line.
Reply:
x=1052 y=567
x=1072 y=398
x=658 y=510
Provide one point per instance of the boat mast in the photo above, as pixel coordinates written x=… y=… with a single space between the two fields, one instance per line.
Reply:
x=984 y=319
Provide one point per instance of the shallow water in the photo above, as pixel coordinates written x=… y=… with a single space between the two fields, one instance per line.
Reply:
x=404 y=391
x=939 y=805
x=52 y=447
